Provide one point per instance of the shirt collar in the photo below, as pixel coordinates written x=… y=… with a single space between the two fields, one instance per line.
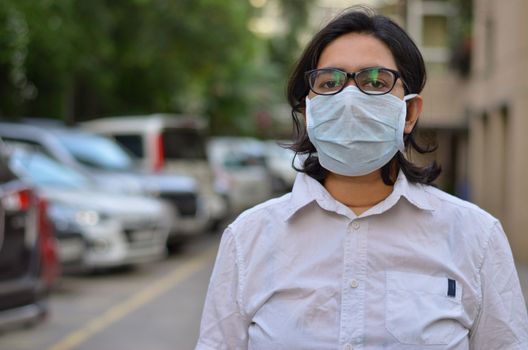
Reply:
x=414 y=193
x=307 y=190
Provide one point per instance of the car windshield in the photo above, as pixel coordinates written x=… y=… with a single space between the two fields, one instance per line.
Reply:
x=98 y=151
x=44 y=171
x=183 y=144
x=237 y=153
x=243 y=160
x=275 y=150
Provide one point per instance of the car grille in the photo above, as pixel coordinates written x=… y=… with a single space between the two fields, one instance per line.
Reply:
x=187 y=203
x=140 y=231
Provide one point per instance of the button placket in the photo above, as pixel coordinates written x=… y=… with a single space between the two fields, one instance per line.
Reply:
x=354 y=283
x=355 y=270
x=360 y=277
x=347 y=299
x=348 y=346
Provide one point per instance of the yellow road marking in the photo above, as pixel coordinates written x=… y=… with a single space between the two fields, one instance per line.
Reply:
x=134 y=302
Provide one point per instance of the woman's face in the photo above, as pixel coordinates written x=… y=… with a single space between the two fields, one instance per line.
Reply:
x=354 y=51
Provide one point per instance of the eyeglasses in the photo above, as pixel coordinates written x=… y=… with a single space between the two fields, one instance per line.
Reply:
x=371 y=81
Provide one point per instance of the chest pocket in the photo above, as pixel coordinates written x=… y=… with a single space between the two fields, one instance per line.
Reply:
x=421 y=309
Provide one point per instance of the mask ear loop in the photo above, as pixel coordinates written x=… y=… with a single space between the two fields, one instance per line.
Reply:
x=409 y=97
x=406 y=98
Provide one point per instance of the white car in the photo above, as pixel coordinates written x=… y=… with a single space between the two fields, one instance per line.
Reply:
x=280 y=162
x=167 y=143
x=240 y=171
x=114 y=229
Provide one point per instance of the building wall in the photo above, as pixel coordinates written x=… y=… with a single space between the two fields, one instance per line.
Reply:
x=497 y=100
x=480 y=121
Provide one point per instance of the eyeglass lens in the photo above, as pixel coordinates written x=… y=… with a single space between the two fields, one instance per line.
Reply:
x=374 y=81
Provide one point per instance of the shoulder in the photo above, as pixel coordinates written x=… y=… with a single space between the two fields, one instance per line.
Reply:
x=260 y=211
x=471 y=225
x=255 y=232
x=455 y=207
x=259 y=217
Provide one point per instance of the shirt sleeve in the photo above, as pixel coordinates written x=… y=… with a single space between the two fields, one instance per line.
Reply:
x=502 y=322
x=223 y=324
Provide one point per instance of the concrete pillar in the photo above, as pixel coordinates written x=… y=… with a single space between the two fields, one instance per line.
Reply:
x=461 y=168
x=517 y=198
x=494 y=164
x=476 y=158
x=442 y=156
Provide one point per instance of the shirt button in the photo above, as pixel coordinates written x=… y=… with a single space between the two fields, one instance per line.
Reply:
x=354 y=283
x=355 y=225
x=348 y=347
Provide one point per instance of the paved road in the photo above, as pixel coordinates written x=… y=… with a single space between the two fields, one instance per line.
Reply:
x=155 y=307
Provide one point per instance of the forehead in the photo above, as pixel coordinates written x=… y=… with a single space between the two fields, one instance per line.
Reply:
x=354 y=51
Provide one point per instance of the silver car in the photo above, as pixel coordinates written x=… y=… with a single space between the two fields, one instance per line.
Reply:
x=115 y=229
x=108 y=164
x=240 y=171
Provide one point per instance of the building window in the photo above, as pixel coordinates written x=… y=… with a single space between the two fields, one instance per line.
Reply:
x=435 y=31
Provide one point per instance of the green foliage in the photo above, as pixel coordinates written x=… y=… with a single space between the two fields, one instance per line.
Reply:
x=460 y=37
x=81 y=59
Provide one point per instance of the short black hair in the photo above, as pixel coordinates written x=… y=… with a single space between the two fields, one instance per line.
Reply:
x=410 y=64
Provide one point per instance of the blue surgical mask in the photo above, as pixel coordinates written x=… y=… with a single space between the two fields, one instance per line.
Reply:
x=355 y=133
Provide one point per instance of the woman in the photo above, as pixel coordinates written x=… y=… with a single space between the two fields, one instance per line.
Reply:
x=364 y=253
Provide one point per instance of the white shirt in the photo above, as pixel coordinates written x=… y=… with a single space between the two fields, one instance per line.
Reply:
x=422 y=269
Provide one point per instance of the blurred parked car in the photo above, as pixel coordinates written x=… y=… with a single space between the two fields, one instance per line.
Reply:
x=114 y=169
x=279 y=161
x=167 y=143
x=95 y=229
x=28 y=256
x=240 y=169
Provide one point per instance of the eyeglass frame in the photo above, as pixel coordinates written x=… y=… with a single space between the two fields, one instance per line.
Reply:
x=352 y=76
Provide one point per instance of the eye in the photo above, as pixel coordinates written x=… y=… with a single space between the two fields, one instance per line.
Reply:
x=375 y=80
x=329 y=84
x=328 y=81
x=375 y=84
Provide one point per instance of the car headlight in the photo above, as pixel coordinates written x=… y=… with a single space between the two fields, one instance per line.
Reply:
x=87 y=217
x=65 y=216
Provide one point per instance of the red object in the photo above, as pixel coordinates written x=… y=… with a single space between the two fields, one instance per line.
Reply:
x=18 y=200
x=159 y=158
x=24 y=199
x=48 y=247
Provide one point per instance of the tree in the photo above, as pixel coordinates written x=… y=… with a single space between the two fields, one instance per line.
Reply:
x=82 y=58
x=76 y=60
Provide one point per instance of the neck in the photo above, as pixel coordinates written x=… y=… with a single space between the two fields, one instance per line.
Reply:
x=359 y=193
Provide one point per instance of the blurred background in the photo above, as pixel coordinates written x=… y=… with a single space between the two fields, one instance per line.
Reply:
x=132 y=132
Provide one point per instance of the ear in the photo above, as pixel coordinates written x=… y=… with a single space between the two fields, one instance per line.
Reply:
x=414 y=110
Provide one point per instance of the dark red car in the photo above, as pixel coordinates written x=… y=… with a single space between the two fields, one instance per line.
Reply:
x=28 y=254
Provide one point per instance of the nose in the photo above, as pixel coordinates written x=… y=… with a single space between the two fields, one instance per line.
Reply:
x=350 y=82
